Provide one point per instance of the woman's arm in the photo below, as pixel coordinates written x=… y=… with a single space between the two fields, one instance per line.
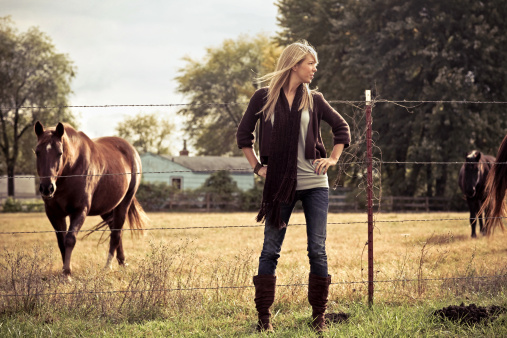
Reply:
x=323 y=164
x=254 y=161
x=340 y=127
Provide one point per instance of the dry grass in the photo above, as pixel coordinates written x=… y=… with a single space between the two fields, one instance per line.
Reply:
x=411 y=260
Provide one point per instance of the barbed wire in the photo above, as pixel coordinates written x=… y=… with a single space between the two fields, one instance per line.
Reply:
x=245 y=170
x=405 y=280
x=242 y=226
x=353 y=102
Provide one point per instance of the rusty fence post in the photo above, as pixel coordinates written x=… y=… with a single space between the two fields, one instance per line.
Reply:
x=369 y=179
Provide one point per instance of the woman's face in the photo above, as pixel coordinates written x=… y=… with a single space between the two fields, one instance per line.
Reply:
x=305 y=70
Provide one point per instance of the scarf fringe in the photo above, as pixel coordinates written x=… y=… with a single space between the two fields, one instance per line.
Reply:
x=287 y=190
x=285 y=195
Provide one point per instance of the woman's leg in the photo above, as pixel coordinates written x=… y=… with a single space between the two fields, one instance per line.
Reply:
x=265 y=281
x=273 y=240
x=315 y=205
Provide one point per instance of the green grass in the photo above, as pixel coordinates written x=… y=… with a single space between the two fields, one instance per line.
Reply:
x=382 y=320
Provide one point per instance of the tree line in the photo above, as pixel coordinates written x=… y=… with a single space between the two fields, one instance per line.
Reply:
x=429 y=51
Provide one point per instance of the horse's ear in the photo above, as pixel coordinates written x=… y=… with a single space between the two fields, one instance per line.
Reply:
x=38 y=128
x=60 y=130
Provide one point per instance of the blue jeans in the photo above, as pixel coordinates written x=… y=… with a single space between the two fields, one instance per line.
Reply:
x=315 y=206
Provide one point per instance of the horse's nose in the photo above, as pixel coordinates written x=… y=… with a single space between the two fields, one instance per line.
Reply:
x=47 y=190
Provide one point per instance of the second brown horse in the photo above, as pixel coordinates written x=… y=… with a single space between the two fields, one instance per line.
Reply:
x=472 y=180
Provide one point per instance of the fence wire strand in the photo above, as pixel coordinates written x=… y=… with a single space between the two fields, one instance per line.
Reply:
x=242 y=226
x=405 y=280
x=220 y=104
x=233 y=169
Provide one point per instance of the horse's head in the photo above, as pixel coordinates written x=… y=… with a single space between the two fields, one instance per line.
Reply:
x=50 y=157
x=472 y=172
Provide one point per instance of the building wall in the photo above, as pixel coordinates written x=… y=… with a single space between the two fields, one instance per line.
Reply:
x=23 y=187
x=189 y=180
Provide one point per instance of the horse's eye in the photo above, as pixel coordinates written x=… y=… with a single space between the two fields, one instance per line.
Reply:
x=37 y=153
x=59 y=154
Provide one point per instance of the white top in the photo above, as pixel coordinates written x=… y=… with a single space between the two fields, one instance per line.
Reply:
x=307 y=178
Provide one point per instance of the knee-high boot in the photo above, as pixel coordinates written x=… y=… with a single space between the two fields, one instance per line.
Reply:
x=318 y=290
x=264 y=298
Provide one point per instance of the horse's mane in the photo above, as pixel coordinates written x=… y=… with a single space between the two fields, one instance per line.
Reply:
x=74 y=135
x=496 y=185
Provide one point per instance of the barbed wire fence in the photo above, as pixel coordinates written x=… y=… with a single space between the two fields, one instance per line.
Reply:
x=354 y=156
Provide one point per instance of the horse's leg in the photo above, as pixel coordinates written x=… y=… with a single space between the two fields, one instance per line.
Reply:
x=108 y=218
x=115 y=243
x=60 y=227
x=480 y=217
x=76 y=222
x=473 y=215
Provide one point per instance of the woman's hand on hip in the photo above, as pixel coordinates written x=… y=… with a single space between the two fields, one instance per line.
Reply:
x=323 y=164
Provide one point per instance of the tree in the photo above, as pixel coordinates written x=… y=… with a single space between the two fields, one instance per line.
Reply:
x=221 y=183
x=147 y=133
x=34 y=85
x=219 y=86
x=429 y=51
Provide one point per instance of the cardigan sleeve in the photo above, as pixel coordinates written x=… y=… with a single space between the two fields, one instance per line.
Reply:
x=245 y=136
x=340 y=127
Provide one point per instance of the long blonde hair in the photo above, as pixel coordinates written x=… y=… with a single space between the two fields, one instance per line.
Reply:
x=292 y=55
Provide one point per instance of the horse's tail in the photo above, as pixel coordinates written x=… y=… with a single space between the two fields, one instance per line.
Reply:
x=136 y=217
x=138 y=220
x=494 y=207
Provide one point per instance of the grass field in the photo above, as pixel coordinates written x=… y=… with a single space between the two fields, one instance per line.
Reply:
x=197 y=282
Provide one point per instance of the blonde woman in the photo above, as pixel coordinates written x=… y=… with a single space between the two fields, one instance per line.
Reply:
x=294 y=162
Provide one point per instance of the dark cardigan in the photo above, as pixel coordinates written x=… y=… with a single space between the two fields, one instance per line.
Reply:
x=314 y=147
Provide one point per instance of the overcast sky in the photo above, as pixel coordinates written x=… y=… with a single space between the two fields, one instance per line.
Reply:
x=129 y=51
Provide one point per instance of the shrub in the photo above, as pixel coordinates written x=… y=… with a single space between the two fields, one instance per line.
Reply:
x=15 y=205
x=251 y=199
x=154 y=196
x=12 y=205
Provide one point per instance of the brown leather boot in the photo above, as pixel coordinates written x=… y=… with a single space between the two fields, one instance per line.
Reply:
x=318 y=290
x=264 y=298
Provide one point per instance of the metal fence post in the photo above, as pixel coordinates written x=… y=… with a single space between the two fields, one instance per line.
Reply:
x=369 y=194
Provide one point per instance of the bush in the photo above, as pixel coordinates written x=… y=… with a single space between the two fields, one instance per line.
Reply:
x=154 y=196
x=250 y=200
x=220 y=183
x=12 y=205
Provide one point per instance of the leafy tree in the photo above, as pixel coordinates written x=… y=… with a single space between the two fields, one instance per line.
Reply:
x=34 y=85
x=147 y=133
x=219 y=86
x=221 y=183
x=426 y=50
x=221 y=187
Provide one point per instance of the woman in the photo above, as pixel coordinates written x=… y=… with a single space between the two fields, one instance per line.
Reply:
x=294 y=162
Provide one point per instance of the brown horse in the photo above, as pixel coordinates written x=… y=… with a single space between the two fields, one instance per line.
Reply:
x=472 y=180
x=81 y=177
x=496 y=185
